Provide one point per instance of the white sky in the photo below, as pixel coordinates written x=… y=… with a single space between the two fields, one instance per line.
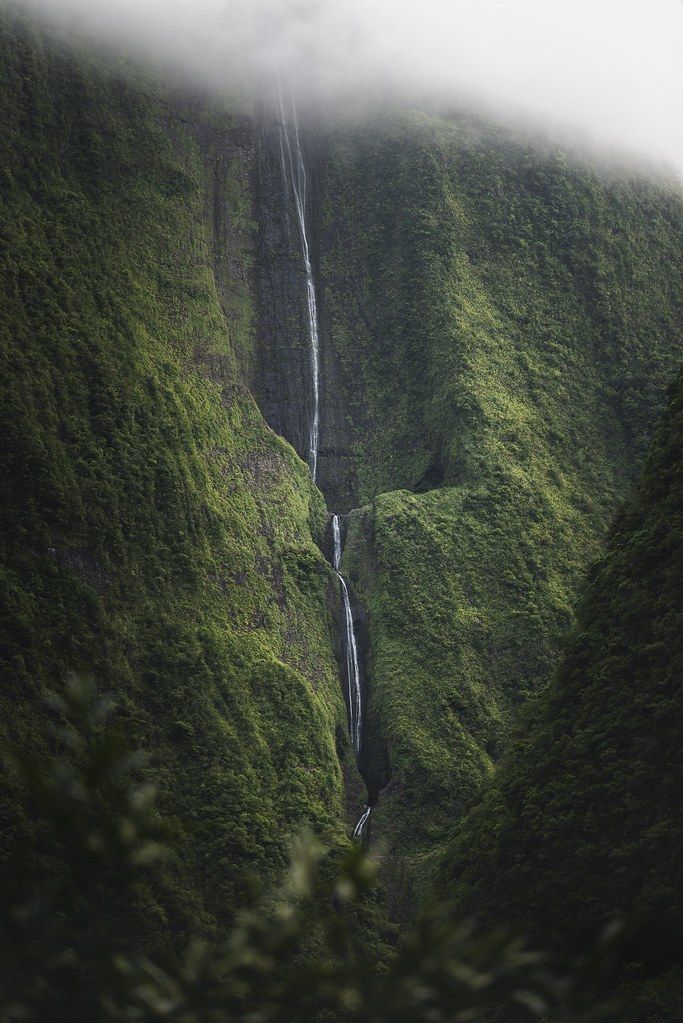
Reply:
x=609 y=69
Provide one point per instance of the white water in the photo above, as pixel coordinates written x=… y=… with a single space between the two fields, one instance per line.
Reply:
x=297 y=176
x=292 y=156
x=337 y=544
x=353 y=679
x=360 y=826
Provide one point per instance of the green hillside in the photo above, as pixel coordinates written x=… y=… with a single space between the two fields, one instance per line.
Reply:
x=504 y=322
x=582 y=823
x=499 y=323
x=154 y=531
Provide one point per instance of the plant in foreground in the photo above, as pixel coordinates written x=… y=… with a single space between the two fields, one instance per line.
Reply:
x=289 y=958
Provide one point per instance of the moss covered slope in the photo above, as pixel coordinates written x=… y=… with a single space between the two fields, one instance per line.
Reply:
x=489 y=299
x=154 y=530
x=582 y=823
x=504 y=321
x=498 y=326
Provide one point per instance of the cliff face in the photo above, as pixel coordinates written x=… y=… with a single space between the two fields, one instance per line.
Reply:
x=282 y=381
x=479 y=289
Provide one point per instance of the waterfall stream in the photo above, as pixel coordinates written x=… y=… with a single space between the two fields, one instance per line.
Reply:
x=353 y=679
x=359 y=829
x=354 y=687
x=294 y=171
x=290 y=144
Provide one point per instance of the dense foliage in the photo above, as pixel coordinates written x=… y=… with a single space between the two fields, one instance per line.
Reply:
x=499 y=322
x=506 y=320
x=582 y=823
x=152 y=528
x=290 y=959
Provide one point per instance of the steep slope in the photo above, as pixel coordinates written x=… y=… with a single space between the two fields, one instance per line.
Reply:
x=497 y=326
x=478 y=288
x=502 y=321
x=582 y=823
x=154 y=530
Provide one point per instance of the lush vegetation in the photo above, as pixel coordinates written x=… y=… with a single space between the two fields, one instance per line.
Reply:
x=499 y=325
x=582 y=823
x=293 y=958
x=506 y=321
x=479 y=290
x=152 y=528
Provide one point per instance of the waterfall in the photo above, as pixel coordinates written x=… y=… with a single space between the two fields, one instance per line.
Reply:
x=291 y=145
x=337 y=544
x=352 y=671
x=360 y=826
x=294 y=171
x=353 y=676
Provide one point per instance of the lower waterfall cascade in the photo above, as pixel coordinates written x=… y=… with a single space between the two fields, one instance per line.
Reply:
x=353 y=678
x=354 y=684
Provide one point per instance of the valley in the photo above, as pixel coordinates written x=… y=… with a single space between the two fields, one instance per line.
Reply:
x=342 y=453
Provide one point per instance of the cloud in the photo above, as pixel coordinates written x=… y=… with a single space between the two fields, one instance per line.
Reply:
x=607 y=69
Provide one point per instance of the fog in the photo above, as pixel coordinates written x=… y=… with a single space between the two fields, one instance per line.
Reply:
x=606 y=71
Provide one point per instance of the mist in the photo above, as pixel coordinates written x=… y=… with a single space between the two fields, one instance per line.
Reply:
x=605 y=72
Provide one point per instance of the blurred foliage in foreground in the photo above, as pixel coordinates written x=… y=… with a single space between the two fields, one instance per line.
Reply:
x=289 y=958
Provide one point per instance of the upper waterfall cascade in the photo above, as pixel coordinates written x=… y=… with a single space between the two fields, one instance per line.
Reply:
x=292 y=157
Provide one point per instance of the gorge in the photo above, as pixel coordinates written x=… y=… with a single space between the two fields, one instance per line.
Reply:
x=312 y=429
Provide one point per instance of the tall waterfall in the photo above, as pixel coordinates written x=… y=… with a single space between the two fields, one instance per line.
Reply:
x=353 y=679
x=359 y=829
x=294 y=171
x=292 y=158
x=353 y=676
x=337 y=544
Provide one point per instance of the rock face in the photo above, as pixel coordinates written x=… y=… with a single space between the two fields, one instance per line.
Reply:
x=337 y=477
x=282 y=381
